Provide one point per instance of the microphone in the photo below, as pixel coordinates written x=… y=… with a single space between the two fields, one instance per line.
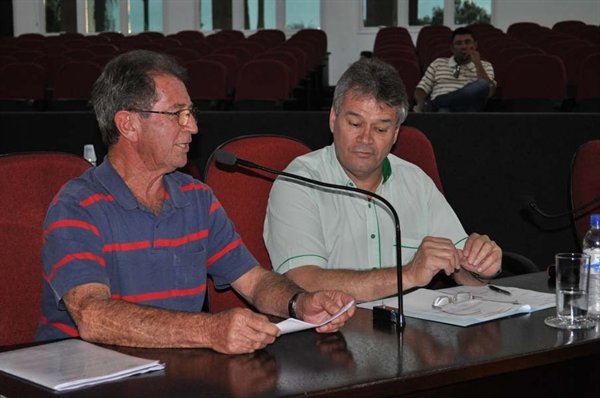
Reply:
x=381 y=313
x=530 y=203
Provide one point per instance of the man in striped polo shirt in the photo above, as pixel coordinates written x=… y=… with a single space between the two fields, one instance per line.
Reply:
x=129 y=244
x=462 y=82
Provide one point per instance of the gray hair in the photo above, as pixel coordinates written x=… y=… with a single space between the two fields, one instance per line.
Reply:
x=375 y=78
x=126 y=83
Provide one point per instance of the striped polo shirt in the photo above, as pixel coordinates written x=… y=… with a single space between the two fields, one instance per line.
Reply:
x=439 y=77
x=96 y=231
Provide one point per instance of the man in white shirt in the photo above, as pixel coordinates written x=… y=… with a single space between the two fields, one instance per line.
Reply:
x=322 y=237
x=462 y=82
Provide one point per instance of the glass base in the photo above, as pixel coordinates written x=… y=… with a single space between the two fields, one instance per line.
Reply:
x=564 y=323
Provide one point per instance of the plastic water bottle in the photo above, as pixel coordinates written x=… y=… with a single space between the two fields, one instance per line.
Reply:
x=89 y=154
x=591 y=246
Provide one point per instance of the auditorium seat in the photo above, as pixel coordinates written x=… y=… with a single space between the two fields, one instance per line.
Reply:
x=232 y=64
x=396 y=52
x=263 y=84
x=51 y=63
x=22 y=87
x=568 y=26
x=200 y=46
x=392 y=34
x=585 y=185
x=207 y=84
x=98 y=39
x=410 y=73
x=432 y=30
x=183 y=54
x=587 y=98
x=73 y=86
x=275 y=35
x=81 y=54
x=240 y=190
x=534 y=83
x=242 y=54
x=26 y=55
x=189 y=35
x=29 y=182
x=414 y=147
x=520 y=29
x=102 y=48
x=573 y=59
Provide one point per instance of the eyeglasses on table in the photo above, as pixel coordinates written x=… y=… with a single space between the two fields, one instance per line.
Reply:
x=460 y=298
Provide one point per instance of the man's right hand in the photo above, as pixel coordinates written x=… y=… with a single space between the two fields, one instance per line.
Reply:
x=434 y=254
x=240 y=331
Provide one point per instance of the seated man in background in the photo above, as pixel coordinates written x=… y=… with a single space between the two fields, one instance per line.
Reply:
x=462 y=82
x=128 y=245
x=323 y=238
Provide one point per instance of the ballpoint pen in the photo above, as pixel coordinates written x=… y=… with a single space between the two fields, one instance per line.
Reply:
x=498 y=290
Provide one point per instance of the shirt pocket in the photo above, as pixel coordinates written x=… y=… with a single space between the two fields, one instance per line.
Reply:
x=189 y=274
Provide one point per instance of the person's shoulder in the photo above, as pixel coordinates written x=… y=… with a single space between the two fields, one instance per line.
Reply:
x=81 y=187
x=310 y=163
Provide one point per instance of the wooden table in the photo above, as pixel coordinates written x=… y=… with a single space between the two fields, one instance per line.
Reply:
x=520 y=356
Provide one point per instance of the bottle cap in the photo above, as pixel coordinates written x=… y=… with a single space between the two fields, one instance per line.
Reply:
x=89 y=153
x=595 y=220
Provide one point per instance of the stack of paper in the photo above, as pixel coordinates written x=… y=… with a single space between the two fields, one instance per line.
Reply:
x=418 y=304
x=72 y=364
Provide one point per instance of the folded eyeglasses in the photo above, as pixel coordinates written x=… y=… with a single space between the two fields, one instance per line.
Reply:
x=447 y=303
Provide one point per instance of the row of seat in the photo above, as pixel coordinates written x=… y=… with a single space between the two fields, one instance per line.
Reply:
x=542 y=72
x=290 y=72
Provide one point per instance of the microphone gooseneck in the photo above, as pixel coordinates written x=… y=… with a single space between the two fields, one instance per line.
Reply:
x=530 y=203
x=229 y=158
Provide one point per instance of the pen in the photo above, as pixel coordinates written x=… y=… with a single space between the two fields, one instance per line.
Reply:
x=498 y=290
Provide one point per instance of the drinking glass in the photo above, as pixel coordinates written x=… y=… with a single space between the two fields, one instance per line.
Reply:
x=572 y=280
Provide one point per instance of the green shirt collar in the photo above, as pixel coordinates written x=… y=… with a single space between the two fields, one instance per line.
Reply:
x=386 y=169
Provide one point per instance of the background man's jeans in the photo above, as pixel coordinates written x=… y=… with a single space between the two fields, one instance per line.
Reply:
x=472 y=97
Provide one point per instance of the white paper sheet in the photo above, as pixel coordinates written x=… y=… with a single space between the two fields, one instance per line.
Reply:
x=72 y=364
x=417 y=304
x=291 y=325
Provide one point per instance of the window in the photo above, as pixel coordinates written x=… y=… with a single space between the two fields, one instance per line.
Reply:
x=102 y=15
x=145 y=15
x=380 y=13
x=475 y=11
x=301 y=14
x=215 y=14
x=61 y=16
x=426 y=12
x=259 y=14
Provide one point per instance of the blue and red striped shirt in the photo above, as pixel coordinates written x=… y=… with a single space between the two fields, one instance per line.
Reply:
x=97 y=232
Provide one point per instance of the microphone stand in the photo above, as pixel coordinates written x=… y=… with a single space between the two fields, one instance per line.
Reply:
x=381 y=314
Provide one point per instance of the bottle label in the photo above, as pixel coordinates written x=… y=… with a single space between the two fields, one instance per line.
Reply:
x=594 y=260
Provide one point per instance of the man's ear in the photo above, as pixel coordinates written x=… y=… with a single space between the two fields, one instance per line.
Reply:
x=127 y=125
x=332 y=117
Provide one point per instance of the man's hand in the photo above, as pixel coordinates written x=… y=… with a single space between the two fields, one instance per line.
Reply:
x=481 y=255
x=318 y=306
x=475 y=56
x=434 y=255
x=239 y=331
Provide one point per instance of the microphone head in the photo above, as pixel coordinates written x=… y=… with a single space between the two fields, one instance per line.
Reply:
x=529 y=202
x=225 y=157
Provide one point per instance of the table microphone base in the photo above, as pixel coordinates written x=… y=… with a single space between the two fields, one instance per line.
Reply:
x=382 y=315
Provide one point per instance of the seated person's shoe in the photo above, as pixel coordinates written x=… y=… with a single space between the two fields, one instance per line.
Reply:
x=428 y=106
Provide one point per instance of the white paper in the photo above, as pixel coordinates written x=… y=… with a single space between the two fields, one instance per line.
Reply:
x=417 y=304
x=291 y=325
x=72 y=364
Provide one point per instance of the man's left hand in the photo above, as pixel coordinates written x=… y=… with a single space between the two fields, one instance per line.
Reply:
x=481 y=255
x=318 y=306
